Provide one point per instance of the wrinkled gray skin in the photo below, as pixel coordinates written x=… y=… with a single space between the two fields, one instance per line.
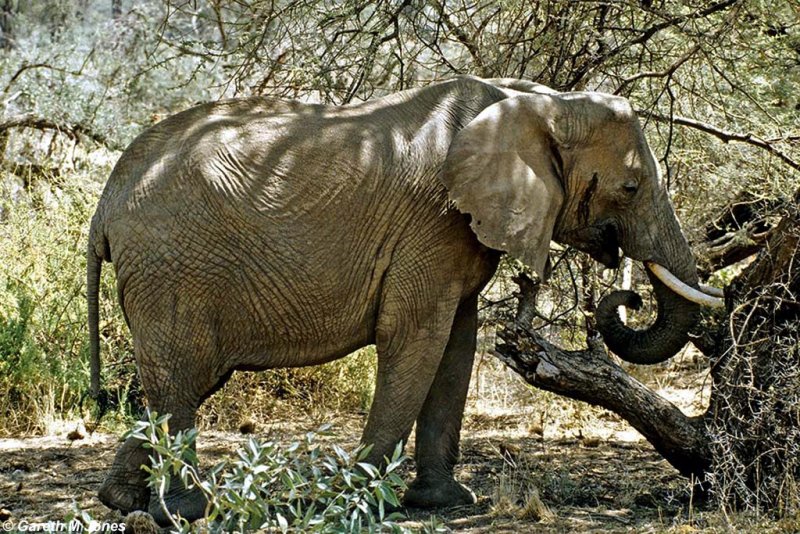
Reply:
x=254 y=234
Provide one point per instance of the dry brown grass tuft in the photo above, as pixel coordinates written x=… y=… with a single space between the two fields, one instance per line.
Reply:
x=523 y=504
x=516 y=494
x=344 y=385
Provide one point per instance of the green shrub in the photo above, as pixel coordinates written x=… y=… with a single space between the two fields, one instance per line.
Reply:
x=299 y=487
x=43 y=335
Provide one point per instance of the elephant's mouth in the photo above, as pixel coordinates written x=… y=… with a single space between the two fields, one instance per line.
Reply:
x=600 y=241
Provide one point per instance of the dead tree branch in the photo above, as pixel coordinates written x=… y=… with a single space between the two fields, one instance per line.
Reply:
x=644 y=37
x=740 y=230
x=590 y=376
x=73 y=131
x=462 y=37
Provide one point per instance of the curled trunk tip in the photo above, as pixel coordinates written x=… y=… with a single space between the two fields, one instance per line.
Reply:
x=659 y=342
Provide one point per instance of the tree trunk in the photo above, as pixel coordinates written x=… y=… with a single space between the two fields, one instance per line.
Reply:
x=7 y=8
x=754 y=415
x=745 y=447
x=116 y=9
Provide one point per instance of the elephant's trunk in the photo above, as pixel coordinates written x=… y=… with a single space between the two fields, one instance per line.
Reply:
x=658 y=343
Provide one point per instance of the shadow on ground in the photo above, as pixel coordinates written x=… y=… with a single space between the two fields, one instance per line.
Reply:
x=523 y=483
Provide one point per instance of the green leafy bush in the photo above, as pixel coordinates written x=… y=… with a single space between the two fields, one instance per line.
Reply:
x=300 y=487
x=43 y=337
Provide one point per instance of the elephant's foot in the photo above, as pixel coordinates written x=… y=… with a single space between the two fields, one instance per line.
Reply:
x=437 y=493
x=189 y=503
x=123 y=494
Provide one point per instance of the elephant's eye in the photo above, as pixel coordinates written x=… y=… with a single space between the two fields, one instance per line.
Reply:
x=630 y=188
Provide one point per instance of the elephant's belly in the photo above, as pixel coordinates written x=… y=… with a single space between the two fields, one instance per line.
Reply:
x=298 y=317
x=299 y=355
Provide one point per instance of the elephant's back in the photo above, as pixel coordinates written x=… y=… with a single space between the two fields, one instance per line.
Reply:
x=155 y=158
x=288 y=175
x=271 y=157
x=304 y=182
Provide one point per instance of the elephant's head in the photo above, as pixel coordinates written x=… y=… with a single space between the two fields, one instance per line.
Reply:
x=575 y=168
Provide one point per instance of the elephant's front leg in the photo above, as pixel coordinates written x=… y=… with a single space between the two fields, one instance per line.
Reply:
x=439 y=423
x=410 y=343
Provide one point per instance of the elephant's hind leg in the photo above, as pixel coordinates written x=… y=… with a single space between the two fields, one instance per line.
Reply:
x=125 y=487
x=439 y=423
x=176 y=378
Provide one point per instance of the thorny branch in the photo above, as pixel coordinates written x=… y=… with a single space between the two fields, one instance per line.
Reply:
x=644 y=37
x=726 y=136
x=740 y=230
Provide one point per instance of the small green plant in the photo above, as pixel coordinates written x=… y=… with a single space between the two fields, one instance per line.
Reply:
x=300 y=487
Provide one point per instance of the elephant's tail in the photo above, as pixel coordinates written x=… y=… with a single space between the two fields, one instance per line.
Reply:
x=94 y=265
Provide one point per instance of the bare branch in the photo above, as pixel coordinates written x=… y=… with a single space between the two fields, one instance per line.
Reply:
x=645 y=35
x=462 y=37
x=724 y=135
x=669 y=71
x=590 y=375
x=73 y=131
x=29 y=66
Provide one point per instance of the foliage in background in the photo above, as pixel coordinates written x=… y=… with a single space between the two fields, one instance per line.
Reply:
x=300 y=487
x=43 y=364
x=74 y=65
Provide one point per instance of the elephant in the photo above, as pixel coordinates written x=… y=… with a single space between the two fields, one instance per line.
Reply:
x=255 y=233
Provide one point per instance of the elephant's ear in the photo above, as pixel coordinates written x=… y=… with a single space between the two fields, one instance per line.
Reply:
x=503 y=169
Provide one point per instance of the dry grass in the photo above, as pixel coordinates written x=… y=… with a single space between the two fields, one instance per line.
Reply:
x=248 y=399
x=515 y=494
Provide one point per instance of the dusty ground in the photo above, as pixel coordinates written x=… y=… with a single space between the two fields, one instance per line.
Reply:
x=591 y=471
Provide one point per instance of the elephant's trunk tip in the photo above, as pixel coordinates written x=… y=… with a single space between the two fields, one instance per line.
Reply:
x=656 y=344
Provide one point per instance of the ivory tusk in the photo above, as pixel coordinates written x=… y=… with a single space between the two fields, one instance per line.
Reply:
x=687 y=292
x=713 y=291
